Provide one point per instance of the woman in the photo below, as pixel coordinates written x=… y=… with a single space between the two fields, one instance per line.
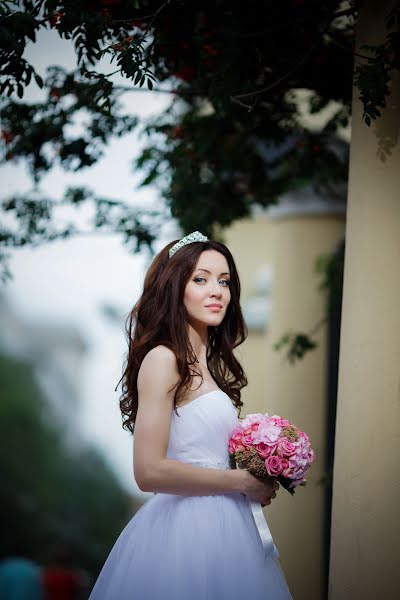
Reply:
x=196 y=539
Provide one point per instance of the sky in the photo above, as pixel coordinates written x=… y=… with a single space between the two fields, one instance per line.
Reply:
x=68 y=281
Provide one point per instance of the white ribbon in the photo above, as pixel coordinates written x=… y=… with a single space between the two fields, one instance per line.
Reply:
x=263 y=529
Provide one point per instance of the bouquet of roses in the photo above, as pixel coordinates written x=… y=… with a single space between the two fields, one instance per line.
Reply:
x=271 y=446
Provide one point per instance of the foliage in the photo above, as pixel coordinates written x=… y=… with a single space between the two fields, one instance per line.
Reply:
x=38 y=132
x=238 y=141
x=232 y=137
x=34 y=220
x=329 y=268
x=214 y=169
x=52 y=492
x=298 y=345
x=373 y=72
x=217 y=153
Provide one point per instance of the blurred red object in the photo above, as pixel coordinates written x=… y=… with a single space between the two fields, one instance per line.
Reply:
x=60 y=583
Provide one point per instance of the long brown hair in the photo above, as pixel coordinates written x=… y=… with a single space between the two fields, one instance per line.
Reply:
x=160 y=317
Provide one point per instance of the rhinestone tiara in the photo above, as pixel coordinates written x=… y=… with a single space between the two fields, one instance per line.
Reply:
x=195 y=236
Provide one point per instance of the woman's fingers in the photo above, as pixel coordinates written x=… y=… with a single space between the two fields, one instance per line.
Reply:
x=268 y=499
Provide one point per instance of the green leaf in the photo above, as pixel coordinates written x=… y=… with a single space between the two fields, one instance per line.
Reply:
x=38 y=80
x=28 y=76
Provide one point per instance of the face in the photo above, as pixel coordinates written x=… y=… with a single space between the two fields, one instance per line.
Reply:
x=207 y=292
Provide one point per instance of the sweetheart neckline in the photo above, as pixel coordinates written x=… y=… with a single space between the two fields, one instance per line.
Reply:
x=202 y=396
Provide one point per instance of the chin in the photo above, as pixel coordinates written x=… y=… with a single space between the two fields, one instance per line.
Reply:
x=215 y=322
x=207 y=322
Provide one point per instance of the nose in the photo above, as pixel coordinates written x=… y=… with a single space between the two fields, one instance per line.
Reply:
x=215 y=290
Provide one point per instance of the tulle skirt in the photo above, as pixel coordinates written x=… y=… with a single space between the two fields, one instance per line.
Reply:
x=191 y=548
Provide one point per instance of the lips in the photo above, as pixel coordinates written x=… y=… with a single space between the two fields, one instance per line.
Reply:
x=214 y=306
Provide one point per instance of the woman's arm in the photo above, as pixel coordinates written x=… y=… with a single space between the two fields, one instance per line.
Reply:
x=152 y=470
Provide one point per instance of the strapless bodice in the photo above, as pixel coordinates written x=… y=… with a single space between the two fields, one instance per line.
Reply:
x=201 y=430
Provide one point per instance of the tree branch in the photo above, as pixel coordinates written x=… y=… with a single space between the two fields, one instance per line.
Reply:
x=237 y=98
x=146 y=17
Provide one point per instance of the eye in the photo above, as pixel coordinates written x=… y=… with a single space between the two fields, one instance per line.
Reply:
x=199 y=279
x=225 y=282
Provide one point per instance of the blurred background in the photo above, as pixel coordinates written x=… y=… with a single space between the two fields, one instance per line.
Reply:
x=66 y=463
x=133 y=131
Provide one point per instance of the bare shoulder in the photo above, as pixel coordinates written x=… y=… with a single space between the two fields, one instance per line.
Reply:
x=160 y=356
x=158 y=367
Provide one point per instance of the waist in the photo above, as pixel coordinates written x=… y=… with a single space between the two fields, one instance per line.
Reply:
x=208 y=463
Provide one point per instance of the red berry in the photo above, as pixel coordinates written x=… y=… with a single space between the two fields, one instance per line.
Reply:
x=56 y=19
x=7 y=136
x=55 y=93
x=177 y=132
x=186 y=73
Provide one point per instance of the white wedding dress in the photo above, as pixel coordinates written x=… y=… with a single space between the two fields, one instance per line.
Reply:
x=194 y=547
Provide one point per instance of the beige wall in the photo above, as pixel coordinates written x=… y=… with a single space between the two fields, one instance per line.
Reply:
x=250 y=242
x=298 y=392
x=366 y=496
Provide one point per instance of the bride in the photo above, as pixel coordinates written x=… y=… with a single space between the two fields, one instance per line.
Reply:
x=196 y=538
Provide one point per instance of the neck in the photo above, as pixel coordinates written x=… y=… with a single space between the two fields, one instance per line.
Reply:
x=198 y=337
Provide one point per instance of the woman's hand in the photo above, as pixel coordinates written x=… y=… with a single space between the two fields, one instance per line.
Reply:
x=259 y=489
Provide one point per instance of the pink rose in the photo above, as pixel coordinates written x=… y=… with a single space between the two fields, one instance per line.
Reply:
x=249 y=432
x=285 y=466
x=264 y=450
x=247 y=440
x=287 y=472
x=234 y=446
x=281 y=455
x=235 y=442
x=285 y=447
x=273 y=465
x=279 y=421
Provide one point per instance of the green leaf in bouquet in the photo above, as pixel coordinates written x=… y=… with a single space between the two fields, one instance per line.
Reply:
x=285 y=483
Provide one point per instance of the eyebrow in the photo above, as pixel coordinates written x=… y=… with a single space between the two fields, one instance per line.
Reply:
x=206 y=270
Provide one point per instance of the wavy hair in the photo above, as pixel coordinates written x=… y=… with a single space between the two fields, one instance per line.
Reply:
x=160 y=317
